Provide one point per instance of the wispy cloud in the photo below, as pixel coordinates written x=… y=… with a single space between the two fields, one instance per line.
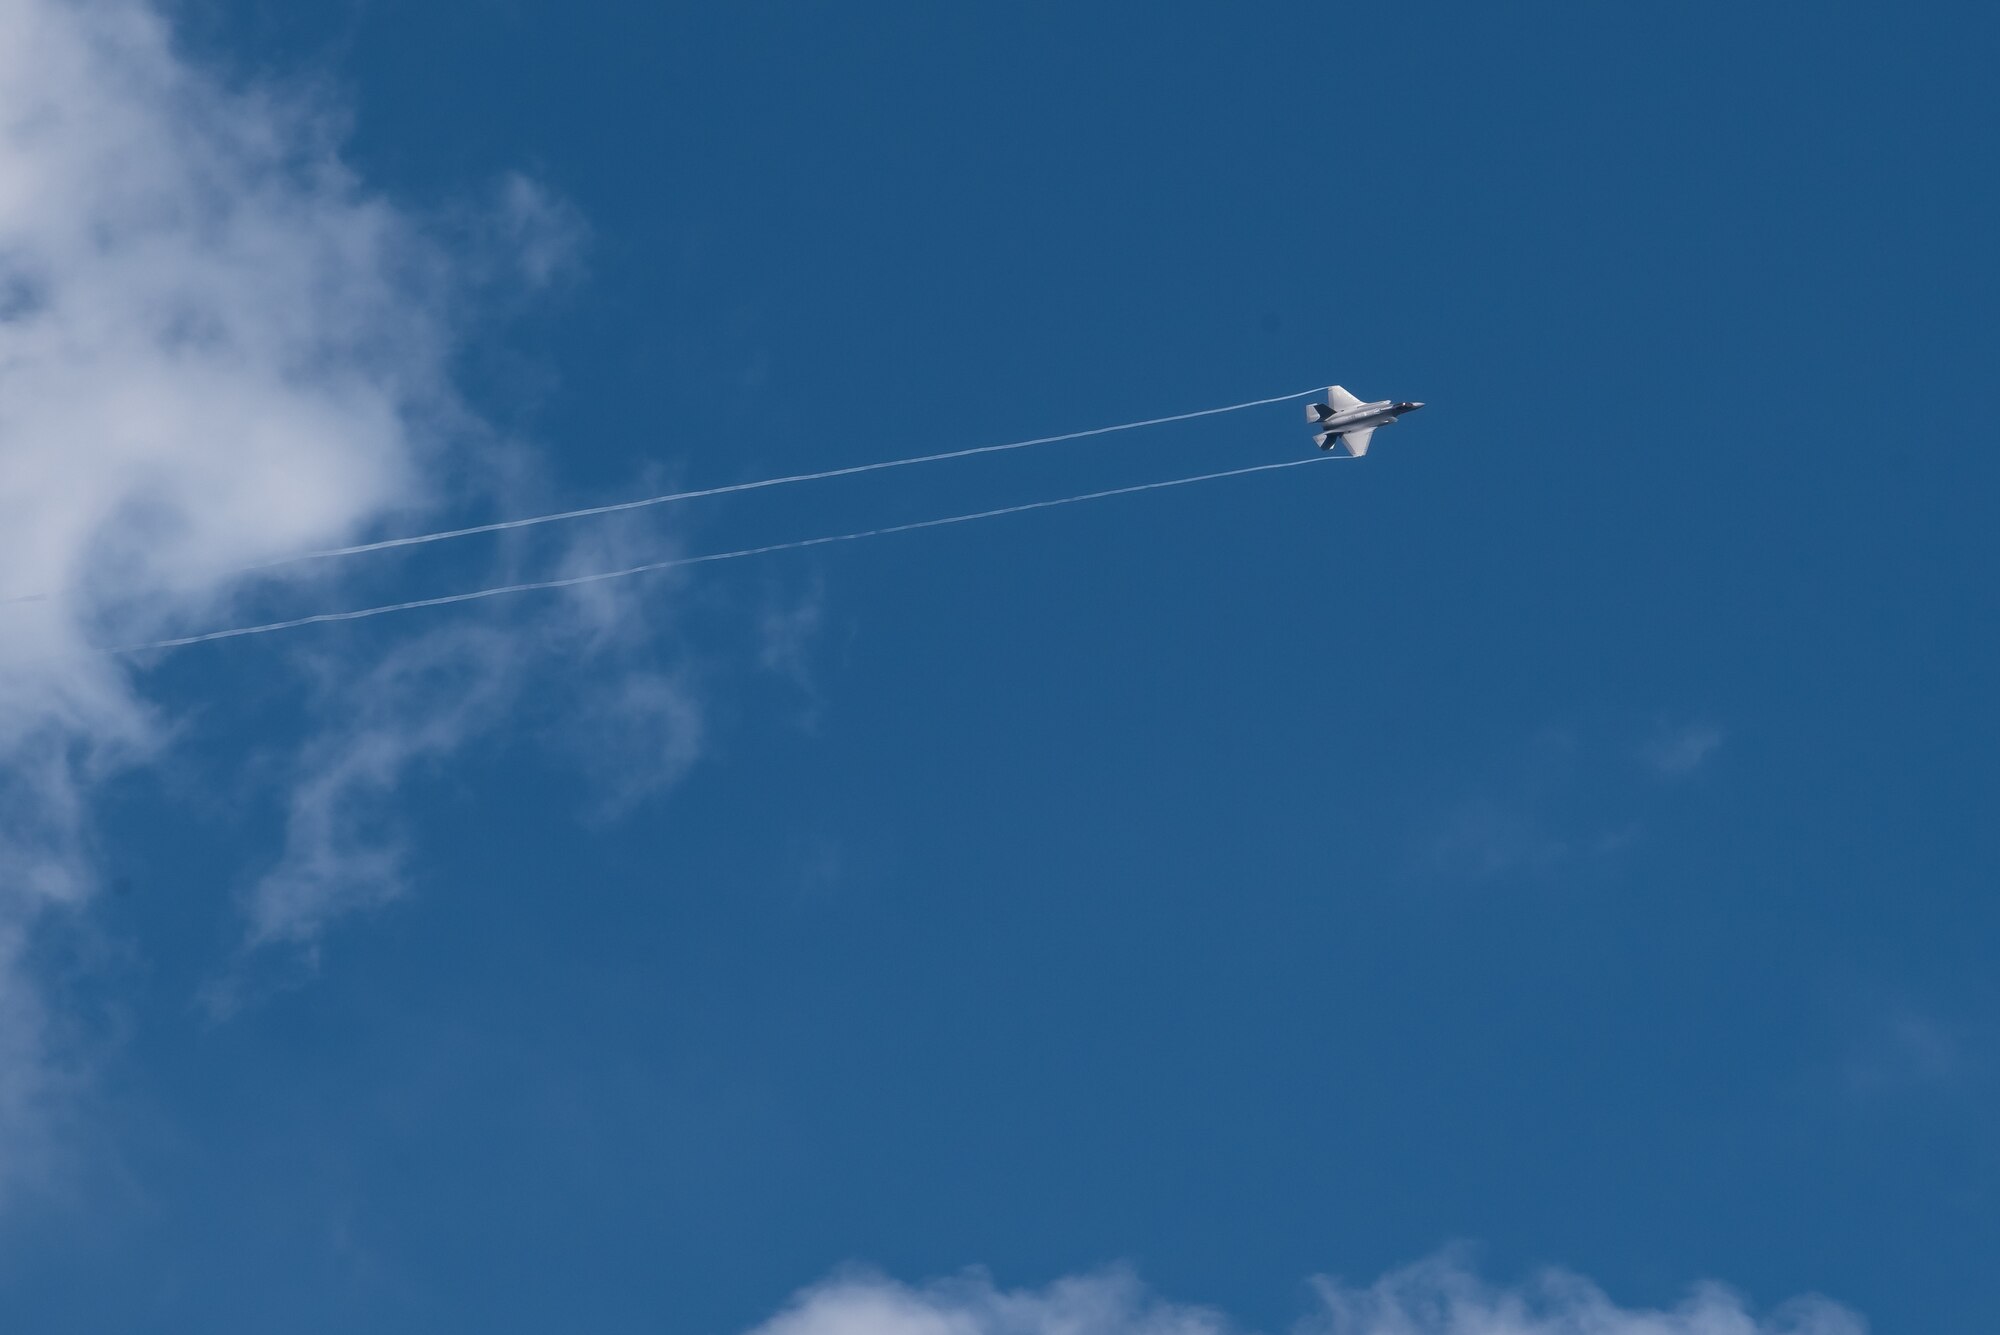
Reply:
x=787 y=632
x=1905 y=1049
x=29 y=1079
x=1679 y=750
x=1443 y=1296
x=638 y=737
x=1566 y=796
x=1436 y=1297
x=1486 y=836
x=1520 y=824
x=422 y=701
x=586 y=662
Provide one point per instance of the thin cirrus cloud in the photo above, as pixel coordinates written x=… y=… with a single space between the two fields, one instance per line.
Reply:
x=1565 y=798
x=1677 y=752
x=1440 y=1296
x=1906 y=1049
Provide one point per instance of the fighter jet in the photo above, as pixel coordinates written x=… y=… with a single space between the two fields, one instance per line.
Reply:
x=1347 y=421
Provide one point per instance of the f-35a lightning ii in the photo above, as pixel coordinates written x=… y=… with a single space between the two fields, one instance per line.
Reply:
x=1349 y=423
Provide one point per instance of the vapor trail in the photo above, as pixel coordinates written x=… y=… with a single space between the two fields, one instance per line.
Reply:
x=572 y=581
x=820 y=476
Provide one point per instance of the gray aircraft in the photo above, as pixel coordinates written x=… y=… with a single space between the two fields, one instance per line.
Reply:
x=1348 y=422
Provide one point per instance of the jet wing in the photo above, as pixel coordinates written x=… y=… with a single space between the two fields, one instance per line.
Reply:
x=1341 y=399
x=1357 y=441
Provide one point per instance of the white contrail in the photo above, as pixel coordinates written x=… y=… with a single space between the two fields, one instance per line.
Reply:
x=572 y=581
x=443 y=535
x=848 y=471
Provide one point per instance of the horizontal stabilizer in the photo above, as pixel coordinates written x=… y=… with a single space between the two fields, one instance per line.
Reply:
x=1318 y=412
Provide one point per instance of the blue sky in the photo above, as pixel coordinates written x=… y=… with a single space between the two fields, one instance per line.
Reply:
x=1566 y=831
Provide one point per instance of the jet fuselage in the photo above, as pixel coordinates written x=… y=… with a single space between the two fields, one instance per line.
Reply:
x=1368 y=414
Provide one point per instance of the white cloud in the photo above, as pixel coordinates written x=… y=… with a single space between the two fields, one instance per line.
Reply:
x=1443 y=1297
x=1110 y=1303
x=217 y=348
x=1436 y=1297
